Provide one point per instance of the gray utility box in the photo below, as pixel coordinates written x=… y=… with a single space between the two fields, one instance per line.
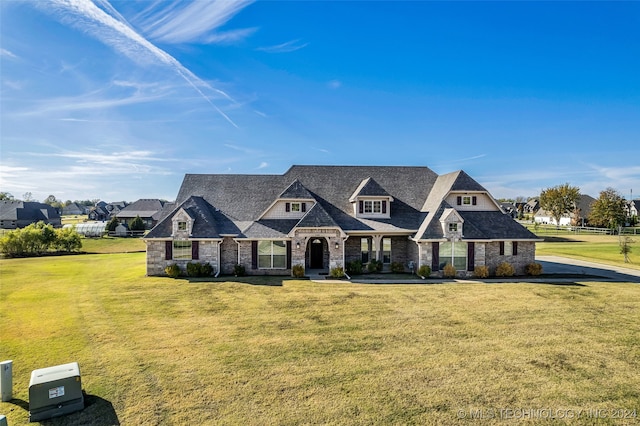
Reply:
x=55 y=391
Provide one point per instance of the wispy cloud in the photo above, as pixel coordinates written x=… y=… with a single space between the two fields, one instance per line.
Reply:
x=263 y=165
x=7 y=54
x=179 y=22
x=229 y=37
x=112 y=30
x=289 y=46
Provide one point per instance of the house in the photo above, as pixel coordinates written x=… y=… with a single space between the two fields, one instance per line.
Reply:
x=105 y=211
x=322 y=217
x=74 y=209
x=149 y=210
x=578 y=217
x=18 y=214
x=633 y=210
x=531 y=206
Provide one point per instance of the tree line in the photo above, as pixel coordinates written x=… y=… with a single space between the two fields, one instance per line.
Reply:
x=609 y=210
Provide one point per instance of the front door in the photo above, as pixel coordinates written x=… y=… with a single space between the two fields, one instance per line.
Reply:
x=316 y=254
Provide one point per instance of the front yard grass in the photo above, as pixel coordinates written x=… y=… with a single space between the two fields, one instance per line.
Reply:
x=163 y=351
x=594 y=248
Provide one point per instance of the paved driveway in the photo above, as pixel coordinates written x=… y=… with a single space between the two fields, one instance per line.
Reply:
x=564 y=265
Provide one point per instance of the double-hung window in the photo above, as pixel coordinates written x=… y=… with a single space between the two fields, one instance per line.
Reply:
x=365 y=249
x=386 y=250
x=272 y=255
x=454 y=253
x=182 y=250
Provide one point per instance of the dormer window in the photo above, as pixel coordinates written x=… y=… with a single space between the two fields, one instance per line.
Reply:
x=182 y=224
x=453 y=227
x=373 y=206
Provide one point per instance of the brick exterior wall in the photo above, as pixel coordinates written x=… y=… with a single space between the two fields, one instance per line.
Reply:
x=403 y=250
x=526 y=255
x=228 y=255
x=488 y=254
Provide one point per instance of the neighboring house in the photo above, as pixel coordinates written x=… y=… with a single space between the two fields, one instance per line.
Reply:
x=509 y=208
x=105 y=211
x=149 y=210
x=531 y=206
x=578 y=217
x=74 y=209
x=18 y=214
x=633 y=208
x=323 y=217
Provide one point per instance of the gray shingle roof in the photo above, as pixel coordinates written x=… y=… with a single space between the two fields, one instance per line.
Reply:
x=27 y=211
x=418 y=195
x=144 y=207
x=296 y=191
x=208 y=222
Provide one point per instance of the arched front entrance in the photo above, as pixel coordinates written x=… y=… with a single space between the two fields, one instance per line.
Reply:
x=316 y=255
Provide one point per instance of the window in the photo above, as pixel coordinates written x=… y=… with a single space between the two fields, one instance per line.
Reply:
x=508 y=248
x=182 y=226
x=272 y=255
x=295 y=207
x=454 y=253
x=386 y=250
x=467 y=200
x=364 y=249
x=453 y=227
x=373 y=206
x=182 y=250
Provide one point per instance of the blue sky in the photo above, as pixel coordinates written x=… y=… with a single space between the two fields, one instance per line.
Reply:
x=117 y=100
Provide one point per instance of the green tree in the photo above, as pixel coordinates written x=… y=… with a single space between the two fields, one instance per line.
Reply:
x=137 y=224
x=608 y=210
x=67 y=239
x=5 y=196
x=559 y=200
x=112 y=224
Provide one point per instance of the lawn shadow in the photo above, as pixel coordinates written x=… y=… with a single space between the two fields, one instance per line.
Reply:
x=257 y=280
x=564 y=283
x=554 y=239
x=97 y=412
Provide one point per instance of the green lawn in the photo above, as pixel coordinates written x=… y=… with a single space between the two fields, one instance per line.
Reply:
x=161 y=351
x=597 y=248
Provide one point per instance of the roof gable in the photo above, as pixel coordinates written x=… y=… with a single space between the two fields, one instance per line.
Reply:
x=296 y=191
x=369 y=188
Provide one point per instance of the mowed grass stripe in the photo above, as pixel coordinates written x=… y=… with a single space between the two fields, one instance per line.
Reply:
x=166 y=351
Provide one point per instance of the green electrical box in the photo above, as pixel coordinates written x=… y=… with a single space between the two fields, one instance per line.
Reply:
x=55 y=391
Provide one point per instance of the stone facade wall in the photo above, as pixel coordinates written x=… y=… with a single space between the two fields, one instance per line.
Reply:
x=155 y=258
x=156 y=262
